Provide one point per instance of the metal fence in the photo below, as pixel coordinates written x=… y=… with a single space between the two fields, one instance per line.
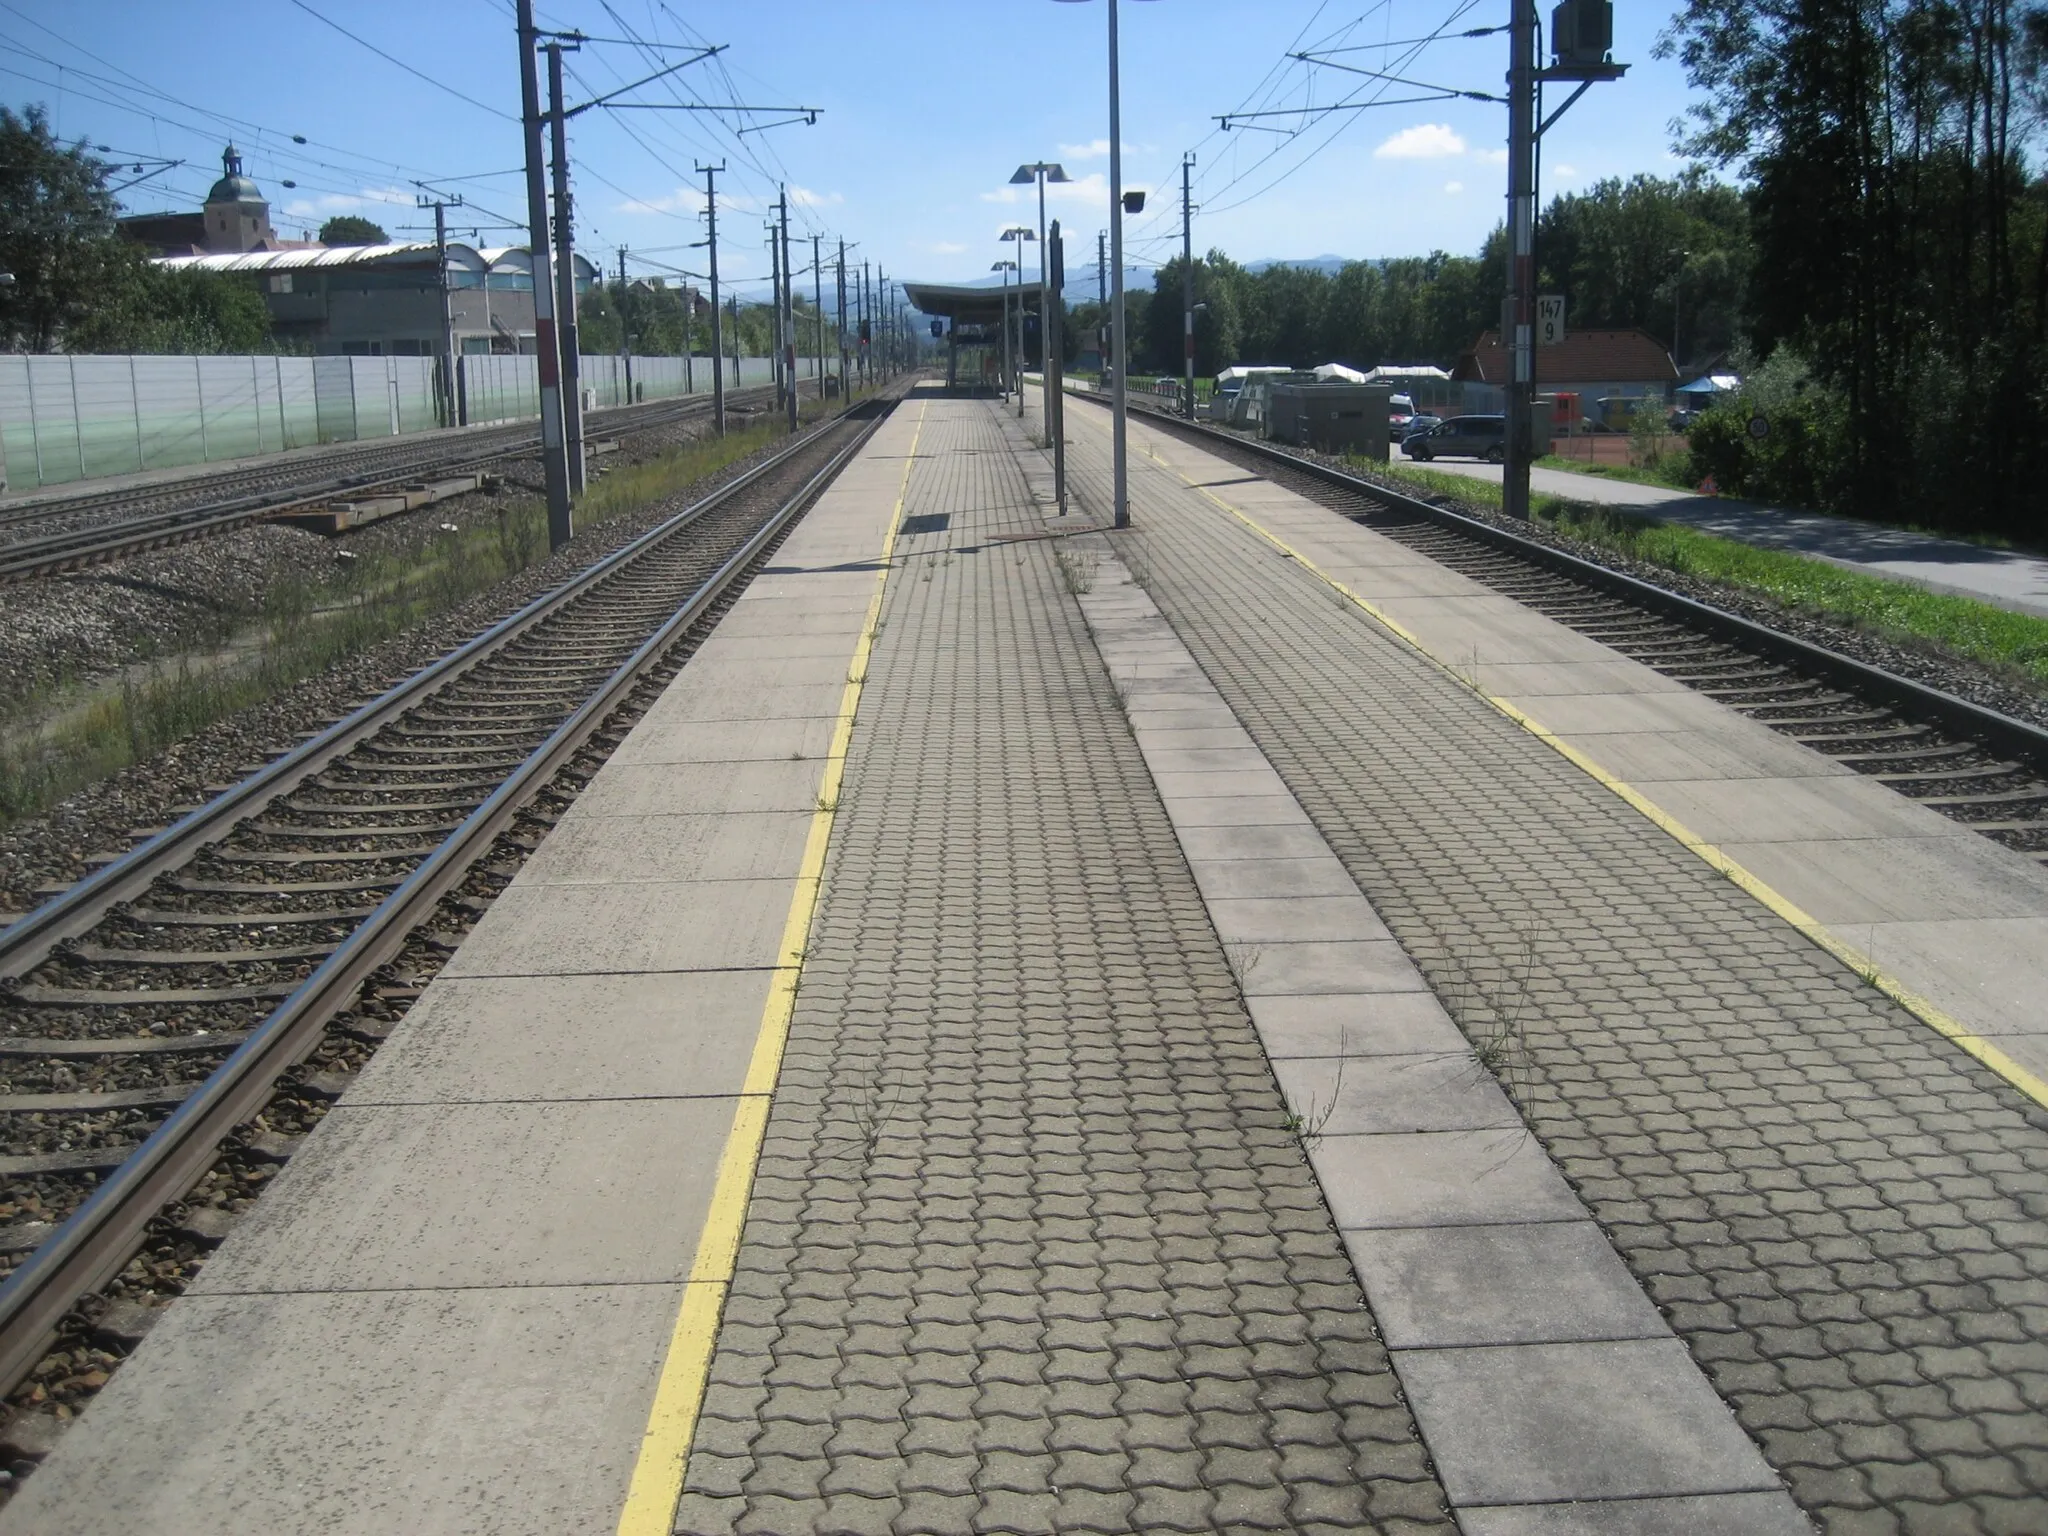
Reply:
x=70 y=418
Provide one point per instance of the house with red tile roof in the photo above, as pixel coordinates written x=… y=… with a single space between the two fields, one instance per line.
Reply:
x=1594 y=365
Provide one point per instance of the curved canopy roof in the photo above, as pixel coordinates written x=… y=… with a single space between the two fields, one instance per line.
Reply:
x=964 y=304
x=409 y=253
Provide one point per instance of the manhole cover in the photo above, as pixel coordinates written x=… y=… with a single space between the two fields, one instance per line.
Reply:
x=928 y=522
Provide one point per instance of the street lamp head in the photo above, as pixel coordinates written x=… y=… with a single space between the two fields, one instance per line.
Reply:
x=1020 y=232
x=1003 y=266
x=1026 y=174
x=1134 y=202
x=1057 y=173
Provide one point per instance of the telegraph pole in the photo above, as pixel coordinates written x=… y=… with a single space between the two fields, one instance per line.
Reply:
x=867 y=373
x=1101 y=268
x=451 y=407
x=565 y=276
x=734 y=304
x=1187 y=276
x=1519 y=314
x=775 y=314
x=818 y=303
x=710 y=175
x=547 y=357
x=788 y=308
x=845 y=378
x=625 y=340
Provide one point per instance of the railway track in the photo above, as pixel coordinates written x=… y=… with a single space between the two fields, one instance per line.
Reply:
x=1974 y=765
x=51 y=536
x=152 y=1010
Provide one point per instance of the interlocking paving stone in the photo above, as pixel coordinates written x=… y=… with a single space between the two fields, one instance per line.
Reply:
x=1840 y=1214
x=1031 y=1247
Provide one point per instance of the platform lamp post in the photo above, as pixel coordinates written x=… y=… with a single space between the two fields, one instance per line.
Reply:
x=1006 y=267
x=1041 y=172
x=1020 y=233
x=1118 y=206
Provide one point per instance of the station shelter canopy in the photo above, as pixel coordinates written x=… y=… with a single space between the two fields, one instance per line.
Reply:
x=974 y=315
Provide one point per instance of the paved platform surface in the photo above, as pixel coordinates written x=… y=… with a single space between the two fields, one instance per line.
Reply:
x=450 y=1313
x=1247 y=1059
x=2005 y=578
x=1839 y=1211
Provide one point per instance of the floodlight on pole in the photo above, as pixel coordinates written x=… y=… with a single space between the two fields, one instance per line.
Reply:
x=1041 y=171
x=1118 y=206
x=1022 y=234
x=1006 y=267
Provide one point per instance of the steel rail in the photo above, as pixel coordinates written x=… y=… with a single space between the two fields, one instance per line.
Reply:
x=69 y=549
x=2015 y=738
x=101 y=1235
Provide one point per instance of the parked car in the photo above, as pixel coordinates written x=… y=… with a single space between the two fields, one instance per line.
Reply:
x=1471 y=437
x=1419 y=423
x=1400 y=417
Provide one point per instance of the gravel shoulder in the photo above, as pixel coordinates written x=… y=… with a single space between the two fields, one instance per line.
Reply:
x=113 y=616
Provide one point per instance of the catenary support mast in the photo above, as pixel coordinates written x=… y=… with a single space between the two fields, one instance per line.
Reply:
x=547 y=356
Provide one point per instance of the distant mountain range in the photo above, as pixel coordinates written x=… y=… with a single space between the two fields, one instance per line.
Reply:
x=1331 y=265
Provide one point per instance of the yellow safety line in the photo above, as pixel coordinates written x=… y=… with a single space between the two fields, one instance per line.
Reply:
x=658 y=1471
x=1930 y=1013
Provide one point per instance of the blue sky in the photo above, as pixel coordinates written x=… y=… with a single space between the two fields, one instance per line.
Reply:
x=925 y=106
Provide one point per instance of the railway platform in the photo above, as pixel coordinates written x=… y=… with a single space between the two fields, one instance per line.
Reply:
x=1224 y=1026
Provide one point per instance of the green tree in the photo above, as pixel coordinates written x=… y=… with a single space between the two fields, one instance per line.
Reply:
x=1648 y=252
x=349 y=229
x=149 y=308
x=1897 y=233
x=56 y=232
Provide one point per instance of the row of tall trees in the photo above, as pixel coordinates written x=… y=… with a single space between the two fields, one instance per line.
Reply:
x=652 y=314
x=1669 y=256
x=1899 y=237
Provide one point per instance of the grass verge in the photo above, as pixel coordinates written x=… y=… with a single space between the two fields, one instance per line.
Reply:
x=1667 y=473
x=295 y=631
x=2013 y=645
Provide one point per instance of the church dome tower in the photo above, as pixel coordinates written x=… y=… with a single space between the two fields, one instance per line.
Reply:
x=237 y=215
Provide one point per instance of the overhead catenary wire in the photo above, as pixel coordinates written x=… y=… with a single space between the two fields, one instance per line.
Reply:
x=392 y=58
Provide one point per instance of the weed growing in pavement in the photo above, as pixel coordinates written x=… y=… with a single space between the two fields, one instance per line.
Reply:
x=870 y=1102
x=1244 y=958
x=828 y=802
x=1305 y=1124
x=1491 y=998
x=1078 y=572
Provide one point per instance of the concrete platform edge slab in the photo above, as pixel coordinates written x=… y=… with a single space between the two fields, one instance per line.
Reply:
x=1571 y=1442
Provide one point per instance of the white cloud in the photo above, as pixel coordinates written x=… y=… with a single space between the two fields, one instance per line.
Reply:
x=682 y=200
x=1564 y=170
x=948 y=248
x=1454 y=187
x=804 y=197
x=1425 y=141
x=1095 y=149
x=1491 y=156
x=347 y=202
